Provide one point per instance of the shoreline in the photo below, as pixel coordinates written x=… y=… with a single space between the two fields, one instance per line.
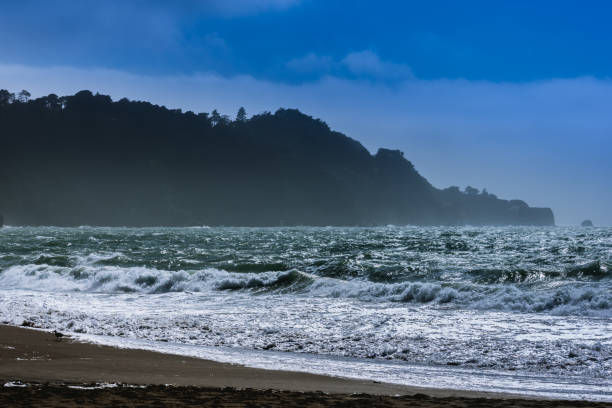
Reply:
x=35 y=357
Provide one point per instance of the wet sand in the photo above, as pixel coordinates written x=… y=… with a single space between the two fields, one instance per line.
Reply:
x=51 y=369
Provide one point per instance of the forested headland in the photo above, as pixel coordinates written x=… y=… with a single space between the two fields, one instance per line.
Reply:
x=88 y=160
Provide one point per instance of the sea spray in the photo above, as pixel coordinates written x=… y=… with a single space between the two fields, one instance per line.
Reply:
x=519 y=300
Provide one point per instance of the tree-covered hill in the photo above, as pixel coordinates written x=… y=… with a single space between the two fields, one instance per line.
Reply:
x=86 y=160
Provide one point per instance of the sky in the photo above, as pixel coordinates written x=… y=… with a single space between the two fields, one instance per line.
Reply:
x=512 y=96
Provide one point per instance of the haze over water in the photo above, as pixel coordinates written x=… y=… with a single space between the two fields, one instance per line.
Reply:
x=513 y=97
x=519 y=309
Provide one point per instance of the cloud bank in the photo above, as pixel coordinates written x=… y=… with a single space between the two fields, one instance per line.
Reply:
x=535 y=140
x=368 y=63
x=238 y=7
x=364 y=64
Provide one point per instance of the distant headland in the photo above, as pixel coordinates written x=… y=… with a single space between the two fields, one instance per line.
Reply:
x=86 y=160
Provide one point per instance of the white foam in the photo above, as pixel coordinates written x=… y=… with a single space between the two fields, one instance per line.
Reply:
x=89 y=276
x=447 y=309
x=15 y=384
x=98 y=386
x=530 y=343
x=573 y=388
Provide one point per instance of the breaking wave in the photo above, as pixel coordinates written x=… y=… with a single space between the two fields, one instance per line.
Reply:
x=577 y=298
x=526 y=300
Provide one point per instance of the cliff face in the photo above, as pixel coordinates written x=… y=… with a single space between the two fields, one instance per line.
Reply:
x=84 y=159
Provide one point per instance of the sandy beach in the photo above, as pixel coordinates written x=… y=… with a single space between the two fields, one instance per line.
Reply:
x=69 y=373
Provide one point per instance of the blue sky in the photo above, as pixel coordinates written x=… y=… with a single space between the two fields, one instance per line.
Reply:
x=512 y=96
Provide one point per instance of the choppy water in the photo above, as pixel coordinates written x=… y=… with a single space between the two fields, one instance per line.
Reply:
x=511 y=302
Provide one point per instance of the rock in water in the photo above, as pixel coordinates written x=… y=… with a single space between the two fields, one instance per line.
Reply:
x=587 y=223
x=1 y=221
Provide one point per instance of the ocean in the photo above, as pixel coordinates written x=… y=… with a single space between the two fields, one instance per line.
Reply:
x=509 y=309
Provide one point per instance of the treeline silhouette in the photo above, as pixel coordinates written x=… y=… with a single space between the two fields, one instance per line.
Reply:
x=86 y=160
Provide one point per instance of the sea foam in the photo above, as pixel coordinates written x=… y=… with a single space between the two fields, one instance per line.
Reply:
x=87 y=276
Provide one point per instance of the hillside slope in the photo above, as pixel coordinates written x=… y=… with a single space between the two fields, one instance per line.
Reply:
x=86 y=160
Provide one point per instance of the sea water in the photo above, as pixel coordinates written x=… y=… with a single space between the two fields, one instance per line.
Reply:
x=515 y=309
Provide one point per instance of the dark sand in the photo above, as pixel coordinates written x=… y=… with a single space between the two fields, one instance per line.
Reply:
x=50 y=367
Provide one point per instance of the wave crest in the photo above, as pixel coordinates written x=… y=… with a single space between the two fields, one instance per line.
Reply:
x=580 y=298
